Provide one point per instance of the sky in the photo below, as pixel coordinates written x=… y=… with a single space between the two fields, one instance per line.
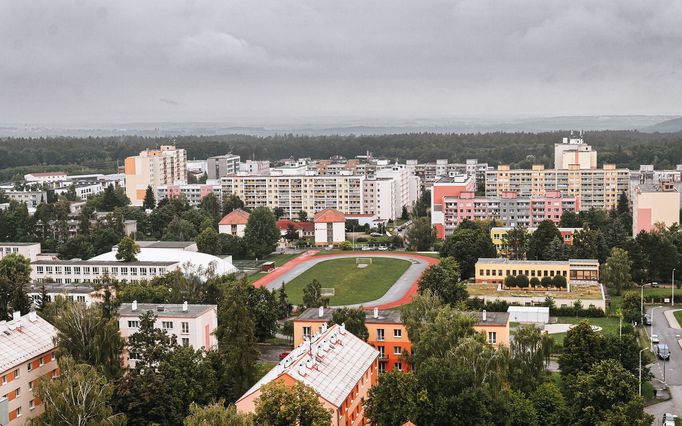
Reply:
x=258 y=60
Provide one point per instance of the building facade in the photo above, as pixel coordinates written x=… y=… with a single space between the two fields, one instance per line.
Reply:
x=234 y=223
x=164 y=166
x=222 y=165
x=498 y=233
x=652 y=204
x=193 y=193
x=593 y=188
x=28 y=250
x=573 y=151
x=90 y=271
x=27 y=353
x=330 y=227
x=495 y=270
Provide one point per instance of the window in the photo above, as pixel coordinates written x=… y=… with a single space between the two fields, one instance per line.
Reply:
x=133 y=324
x=185 y=327
x=185 y=341
x=380 y=334
x=77 y=270
x=398 y=366
x=52 y=356
x=30 y=385
x=397 y=332
x=382 y=351
x=40 y=269
x=95 y=270
x=4 y=379
x=18 y=411
x=306 y=332
x=17 y=392
x=397 y=350
x=80 y=299
x=40 y=362
x=382 y=367
x=492 y=337
x=86 y=270
x=167 y=325
x=67 y=270
x=30 y=366
x=31 y=405
x=16 y=373
x=124 y=270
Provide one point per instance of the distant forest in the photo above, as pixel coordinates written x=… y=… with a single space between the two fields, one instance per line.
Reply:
x=85 y=155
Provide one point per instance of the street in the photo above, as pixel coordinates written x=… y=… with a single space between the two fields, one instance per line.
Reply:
x=666 y=372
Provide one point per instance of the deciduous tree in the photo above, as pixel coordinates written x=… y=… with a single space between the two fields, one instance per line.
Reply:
x=127 y=250
x=261 y=233
x=282 y=405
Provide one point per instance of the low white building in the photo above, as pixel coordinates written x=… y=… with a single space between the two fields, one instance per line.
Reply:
x=529 y=314
x=330 y=227
x=234 y=223
x=83 y=191
x=28 y=250
x=47 y=177
x=192 y=325
x=77 y=293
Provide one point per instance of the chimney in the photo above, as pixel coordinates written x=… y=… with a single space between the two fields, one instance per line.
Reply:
x=320 y=311
x=134 y=307
x=32 y=316
x=16 y=315
x=184 y=306
x=485 y=315
x=376 y=312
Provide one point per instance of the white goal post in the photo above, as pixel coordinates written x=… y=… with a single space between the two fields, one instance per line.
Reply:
x=327 y=292
x=363 y=260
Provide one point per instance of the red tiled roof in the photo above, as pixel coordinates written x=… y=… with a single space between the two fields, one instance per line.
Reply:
x=329 y=215
x=283 y=224
x=235 y=217
x=307 y=226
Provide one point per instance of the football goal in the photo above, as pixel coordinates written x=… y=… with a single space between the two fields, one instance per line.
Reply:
x=327 y=292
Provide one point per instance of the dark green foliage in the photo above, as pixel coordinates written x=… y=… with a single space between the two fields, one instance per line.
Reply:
x=354 y=320
x=261 y=233
x=469 y=242
x=421 y=234
x=540 y=240
x=312 y=294
x=149 y=199
x=15 y=275
x=443 y=280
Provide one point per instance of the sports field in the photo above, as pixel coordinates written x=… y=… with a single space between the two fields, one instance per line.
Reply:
x=351 y=284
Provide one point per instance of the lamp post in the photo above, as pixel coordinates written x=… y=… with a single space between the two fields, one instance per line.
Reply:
x=641 y=301
x=672 y=299
x=640 y=370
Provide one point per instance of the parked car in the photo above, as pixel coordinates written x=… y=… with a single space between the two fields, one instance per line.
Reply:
x=647 y=319
x=662 y=351
x=284 y=355
x=654 y=339
x=366 y=248
x=668 y=419
x=654 y=285
x=382 y=248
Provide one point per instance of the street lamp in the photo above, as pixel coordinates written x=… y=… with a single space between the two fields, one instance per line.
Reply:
x=640 y=370
x=672 y=300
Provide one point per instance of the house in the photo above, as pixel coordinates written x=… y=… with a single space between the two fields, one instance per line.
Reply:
x=234 y=223
x=330 y=227
x=27 y=353
x=192 y=325
x=338 y=366
x=302 y=229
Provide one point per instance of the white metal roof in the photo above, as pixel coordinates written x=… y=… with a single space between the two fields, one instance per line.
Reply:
x=184 y=257
x=535 y=309
x=334 y=374
x=21 y=344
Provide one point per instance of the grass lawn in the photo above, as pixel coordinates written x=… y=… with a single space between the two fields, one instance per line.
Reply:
x=609 y=325
x=352 y=284
x=678 y=316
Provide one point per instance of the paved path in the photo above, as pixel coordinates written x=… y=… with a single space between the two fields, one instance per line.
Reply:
x=400 y=293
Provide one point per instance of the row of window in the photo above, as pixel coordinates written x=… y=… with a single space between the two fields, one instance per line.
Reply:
x=96 y=270
x=528 y=273
x=166 y=325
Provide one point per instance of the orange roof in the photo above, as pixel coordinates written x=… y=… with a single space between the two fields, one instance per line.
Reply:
x=329 y=215
x=408 y=423
x=235 y=217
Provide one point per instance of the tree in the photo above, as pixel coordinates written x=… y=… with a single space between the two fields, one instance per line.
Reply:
x=466 y=245
x=312 y=294
x=211 y=205
x=583 y=347
x=557 y=250
x=87 y=336
x=77 y=247
x=404 y=215
x=127 y=250
x=421 y=235
x=302 y=216
x=534 y=282
x=570 y=219
x=606 y=390
x=546 y=282
x=550 y=405
x=231 y=203
x=284 y=307
x=79 y=396
x=354 y=320
x=615 y=273
x=444 y=280
x=236 y=341
x=264 y=310
x=179 y=230
x=631 y=307
x=149 y=200
x=589 y=244
x=422 y=205
x=278 y=212
x=559 y=281
x=527 y=364
x=150 y=345
x=540 y=240
x=208 y=241
x=231 y=244
x=261 y=233
x=282 y=405
x=216 y=414
x=515 y=242
x=392 y=401
x=15 y=274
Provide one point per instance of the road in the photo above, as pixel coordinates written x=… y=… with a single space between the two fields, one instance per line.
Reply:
x=405 y=286
x=667 y=372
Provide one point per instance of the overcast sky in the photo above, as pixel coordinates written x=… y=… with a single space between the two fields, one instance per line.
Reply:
x=139 y=60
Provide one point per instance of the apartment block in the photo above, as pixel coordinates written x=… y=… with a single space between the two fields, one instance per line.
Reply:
x=447 y=188
x=594 y=188
x=222 y=165
x=337 y=365
x=498 y=233
x=26 y=355
x=298 y=193
x=429 y=173
x=653 y=204
x=90 y=271
x=573 y=151
x=164 y=166
x=192 y=325
x=193 y=193
x=30 y=198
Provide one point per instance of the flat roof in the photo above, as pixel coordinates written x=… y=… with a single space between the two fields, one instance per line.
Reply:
x=17 y=244
x=505 y=261
x=167 y=309
x=165 y=244
x=60 y=288
x=20 y=345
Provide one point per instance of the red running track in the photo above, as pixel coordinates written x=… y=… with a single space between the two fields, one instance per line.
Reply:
x=405 y=299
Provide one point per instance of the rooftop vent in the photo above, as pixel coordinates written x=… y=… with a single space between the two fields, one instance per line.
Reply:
x=184 y=306
x=134 y=307
x=159 y=308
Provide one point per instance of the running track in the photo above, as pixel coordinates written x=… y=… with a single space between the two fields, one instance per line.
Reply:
x=398 y=294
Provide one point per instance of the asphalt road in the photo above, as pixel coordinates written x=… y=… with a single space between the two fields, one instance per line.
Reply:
x=666 y=372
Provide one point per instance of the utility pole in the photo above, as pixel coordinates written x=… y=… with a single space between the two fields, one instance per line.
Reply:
x=672 y=300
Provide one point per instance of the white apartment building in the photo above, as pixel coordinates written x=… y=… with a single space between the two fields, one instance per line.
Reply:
x=83 y=191
x=47 y=177
x=31 y=198
x=574 y=151
x=192 y=325
x=193 y=193
x=82 y=293
x=164 y=166
x=222 y=165
x=90 y=271
x=251 y=167
x=28 y=250
x=595 y=188
x=295 y=193
x=26 y=355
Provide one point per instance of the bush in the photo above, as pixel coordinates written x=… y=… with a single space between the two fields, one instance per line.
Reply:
x=361 y=240
x=534 y=282
x=572 y=311
x=346 y=245
x=522 y=281
x=510 y=281
x=559 y=281
x=546 y=282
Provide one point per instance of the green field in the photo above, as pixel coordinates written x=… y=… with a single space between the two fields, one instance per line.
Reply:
x=352 y=284
x=609 y=325
x=678 y=316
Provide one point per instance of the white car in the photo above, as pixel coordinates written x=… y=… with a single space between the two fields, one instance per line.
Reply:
x=382 y=248
x=654 y=339
x=668 y=419
x=366 y=248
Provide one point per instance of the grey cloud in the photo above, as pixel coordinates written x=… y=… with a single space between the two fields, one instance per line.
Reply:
x=100 y=60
